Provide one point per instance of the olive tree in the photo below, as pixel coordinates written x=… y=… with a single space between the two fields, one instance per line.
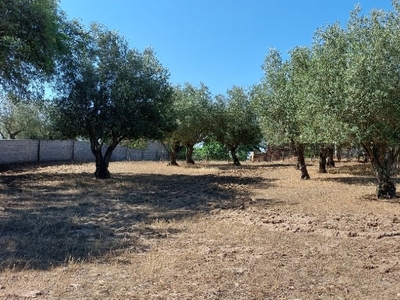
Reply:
x=24 y=119
x=344 y=89
x=192 y=107
x=372 y=80
x=355 y=82
x=280 y=102
x=324 y=94
x=114 y=93
x=235 y=121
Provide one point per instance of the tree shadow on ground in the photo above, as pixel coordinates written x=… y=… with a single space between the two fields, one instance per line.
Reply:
x=244 y=166
x=359 y=174
x=48 y=219
x=374 y=198
x=351 y=180
x=359 y=169
x=266 y=203
x=24 y=166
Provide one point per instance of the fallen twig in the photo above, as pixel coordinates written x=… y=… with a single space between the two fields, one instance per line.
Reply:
x=388 y=234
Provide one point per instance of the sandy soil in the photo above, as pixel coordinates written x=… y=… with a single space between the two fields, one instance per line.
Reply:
x=212 y=231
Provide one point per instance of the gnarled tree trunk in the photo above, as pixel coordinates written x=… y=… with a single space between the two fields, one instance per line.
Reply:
x=102 y=161
x=176 y=148
x=382 y=162
x=322 y=160
x=338 y=153
x=189 y=154
x=301 y=162
x=236 y=161
x=331 y=152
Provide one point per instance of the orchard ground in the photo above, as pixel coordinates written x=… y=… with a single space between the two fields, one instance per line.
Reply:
x=211 y=231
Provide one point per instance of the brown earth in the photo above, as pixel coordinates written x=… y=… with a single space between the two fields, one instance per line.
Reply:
x=212 y=231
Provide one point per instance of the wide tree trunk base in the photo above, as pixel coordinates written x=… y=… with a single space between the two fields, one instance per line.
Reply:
x=237 y=162
x=173 y=163
x=102 y=162
x=305 y=176
x=102 y=174
x=189 y=154
x=386 y=190
x=331 y=164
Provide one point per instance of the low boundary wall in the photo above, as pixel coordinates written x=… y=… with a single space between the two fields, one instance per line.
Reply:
x=23 y=151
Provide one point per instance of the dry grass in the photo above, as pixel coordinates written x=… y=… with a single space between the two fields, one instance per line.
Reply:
x=212 y=231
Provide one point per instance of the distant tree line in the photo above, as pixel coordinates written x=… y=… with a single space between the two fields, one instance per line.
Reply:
x=59 y=79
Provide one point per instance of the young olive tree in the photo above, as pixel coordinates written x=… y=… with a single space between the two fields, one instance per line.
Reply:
x=235 y=121
x=114 y=93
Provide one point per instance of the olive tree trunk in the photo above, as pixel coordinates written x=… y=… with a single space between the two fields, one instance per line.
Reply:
x=175 y=149
x=189 y=154
x=102 y=161
x=382 y=162
x=322 y=160
x=331 y=153
x=301 y=162
x=236 y=161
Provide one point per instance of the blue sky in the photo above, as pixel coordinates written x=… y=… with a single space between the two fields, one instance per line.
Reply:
x=221 y=43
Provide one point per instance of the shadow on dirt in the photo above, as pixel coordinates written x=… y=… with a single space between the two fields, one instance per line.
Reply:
x=360 y=169
x=359 y=174
x=48 y=219
x=250 y=166
x=352 y=180
x=265 y=203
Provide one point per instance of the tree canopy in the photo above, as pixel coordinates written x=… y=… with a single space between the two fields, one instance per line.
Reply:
x=116 y=93
x=33 y=33
x=24 y=119
x=280 y=100
x=342 y=89
x=192 y=108
x=235 y=121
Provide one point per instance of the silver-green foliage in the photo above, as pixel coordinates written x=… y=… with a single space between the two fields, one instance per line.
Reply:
x=235 y=120
x=33 y=34
x=114 y=93
x=21 y=119
x=192 y=106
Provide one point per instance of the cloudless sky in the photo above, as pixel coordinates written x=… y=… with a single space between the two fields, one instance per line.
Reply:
x=221 y=43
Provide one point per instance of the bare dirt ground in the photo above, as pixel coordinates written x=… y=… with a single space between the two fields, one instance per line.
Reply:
x=212 y=231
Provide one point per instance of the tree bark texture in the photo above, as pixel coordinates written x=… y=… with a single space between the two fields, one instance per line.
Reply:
x=382 y=162
x=102 y=161
x=236 y=161
x=189 y=154
x=331 y=152
x=322 y=160
x=176 y=148
x=301 y=162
